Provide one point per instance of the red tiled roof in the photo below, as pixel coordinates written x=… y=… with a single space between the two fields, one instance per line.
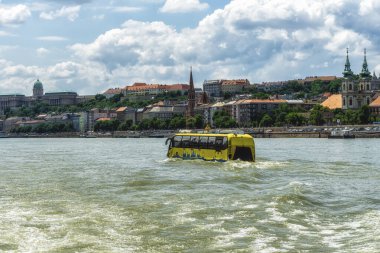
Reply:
x=121 y=109
x=103 y=119
x=178 y=87
x=333 y=102
x=262 y=101
x=139 y=84
x=375 y=103
x=235 y=82
x=327 y=94
x=113 y=91
x=30 y=122
x=322 y=78
x=144 y=86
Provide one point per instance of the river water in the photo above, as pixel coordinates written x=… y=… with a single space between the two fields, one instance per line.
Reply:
x=124 y=195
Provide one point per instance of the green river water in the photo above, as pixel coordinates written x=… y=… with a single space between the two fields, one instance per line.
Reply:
x=124 y=195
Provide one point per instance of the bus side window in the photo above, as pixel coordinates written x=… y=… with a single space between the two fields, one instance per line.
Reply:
x=203 y=142
x=185 y=142
x=225 y=143
x=177 y=141
x=211 y=142
x=219 y=143
x=194 y=141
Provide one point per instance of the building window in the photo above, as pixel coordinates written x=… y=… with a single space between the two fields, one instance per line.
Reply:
x=344 y=101
x=344 y=87
x=350 y=87
x=367 y=86
x=350 y=103
x=368 y=101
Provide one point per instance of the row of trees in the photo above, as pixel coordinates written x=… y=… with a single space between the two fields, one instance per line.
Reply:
x=100 y=101
x=319 y=115
x=45 y=128
x=282 y=116
x=177 y=122
x=300 y=91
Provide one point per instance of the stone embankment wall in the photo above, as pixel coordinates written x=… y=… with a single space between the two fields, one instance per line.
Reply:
x=275 y=132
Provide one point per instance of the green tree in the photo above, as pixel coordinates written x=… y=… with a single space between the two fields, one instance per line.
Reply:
x=190 y=122
x=177 y=122
x=334 y=86
x=227 y=95
x=316 y=115
x=364 y=114
x=99 y=97
x=295 y=119
x=126 y=125
x=316 y=87
x=266 y=121
x=222 y=119
x=106 y=125
x=116 y=98
x=199 y=121
x=351 y=117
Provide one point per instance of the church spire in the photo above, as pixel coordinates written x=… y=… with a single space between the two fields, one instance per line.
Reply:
x=365 y=73
x=347 y=68
x=191 y=78
x=374 y=77
x=191 y=96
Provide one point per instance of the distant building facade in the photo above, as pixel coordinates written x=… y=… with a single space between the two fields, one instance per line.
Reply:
x=14 y=102
x=112 y=92
x=235 y=86
x=213 y=87
x=143 y=89
x=216 y=88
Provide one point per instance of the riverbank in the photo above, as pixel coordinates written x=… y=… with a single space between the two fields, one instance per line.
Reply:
x=360 y=131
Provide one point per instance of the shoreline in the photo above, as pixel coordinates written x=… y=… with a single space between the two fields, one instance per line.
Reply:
x=270 y=132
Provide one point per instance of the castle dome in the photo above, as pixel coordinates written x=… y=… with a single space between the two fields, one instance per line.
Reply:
x=38 y=85
x=38 y=89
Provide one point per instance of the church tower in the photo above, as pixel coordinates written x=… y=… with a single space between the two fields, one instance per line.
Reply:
x=191 y=96
x=348 y=85
x=356 y=93
x=364 y=96
x=38 y=89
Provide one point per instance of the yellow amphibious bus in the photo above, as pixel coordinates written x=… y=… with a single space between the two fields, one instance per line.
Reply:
x=212 y=147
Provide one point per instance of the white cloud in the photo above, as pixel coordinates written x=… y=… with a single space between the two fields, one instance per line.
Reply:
x=273 y=34
x=5 y=34
x=5 y=48
x=347 y=38
x=18 y=78
x=42 y=51
x=246 y=39
x=368 y=6
x=181 y=6
x=98 y=17
x=11 y=15
x=69 y=12
x=126 y=9
x=52 y=38
x=259 y=40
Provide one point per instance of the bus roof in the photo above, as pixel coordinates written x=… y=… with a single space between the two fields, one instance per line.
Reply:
x=230 y=135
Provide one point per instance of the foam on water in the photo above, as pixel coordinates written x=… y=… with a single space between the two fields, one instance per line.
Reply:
x=82 y=196
x=271 y=164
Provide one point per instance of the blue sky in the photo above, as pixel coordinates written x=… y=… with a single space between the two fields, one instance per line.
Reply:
x=90 y=45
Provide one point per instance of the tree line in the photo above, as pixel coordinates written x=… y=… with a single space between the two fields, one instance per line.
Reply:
x=48 y=127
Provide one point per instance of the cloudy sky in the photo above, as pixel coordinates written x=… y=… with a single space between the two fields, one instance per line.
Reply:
x=88 y=46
